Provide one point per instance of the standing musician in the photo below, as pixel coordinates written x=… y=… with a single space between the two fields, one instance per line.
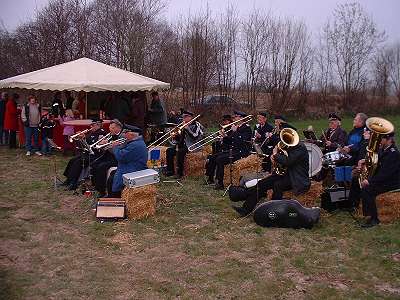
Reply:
x=107 y=159
x=385 y=178
x=240 y=146
x=295 y=178
x=334 y=137
x=187 y=137
x=131 y=157
x=262 y=133
x=76 y=164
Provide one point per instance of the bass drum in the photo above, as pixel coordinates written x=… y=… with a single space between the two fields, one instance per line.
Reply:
x=314 y=159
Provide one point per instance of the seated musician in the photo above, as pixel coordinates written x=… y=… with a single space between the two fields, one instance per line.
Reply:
x=131 y=157
x=240 y=146
x=385 y=178
x=107 y=159
x=219 y=146
x=84 y=158
x=334 y=137
x=188 y=136
x=262 y=133
x=354 y=139
x=295 y=178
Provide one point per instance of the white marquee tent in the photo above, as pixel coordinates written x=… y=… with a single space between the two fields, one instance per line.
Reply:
x=83 y=74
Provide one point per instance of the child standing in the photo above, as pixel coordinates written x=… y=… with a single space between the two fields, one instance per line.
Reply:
x=68 y=129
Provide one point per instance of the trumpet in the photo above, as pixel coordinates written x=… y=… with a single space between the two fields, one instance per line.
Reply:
x=218 y=134
x=170 y=134
x=76 y=135
x=110 y=143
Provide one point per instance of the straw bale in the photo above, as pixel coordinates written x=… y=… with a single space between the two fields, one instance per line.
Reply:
x=195 y=162
x=241 y=167
x=308 y=199
x=388 y=205
x=140 y=201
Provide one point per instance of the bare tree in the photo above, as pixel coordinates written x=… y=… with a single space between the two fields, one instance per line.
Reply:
x=354 y=37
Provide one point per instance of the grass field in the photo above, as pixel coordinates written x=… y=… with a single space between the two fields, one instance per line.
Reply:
x=195 y=247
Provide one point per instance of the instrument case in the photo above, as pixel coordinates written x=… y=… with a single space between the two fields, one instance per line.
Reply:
x=141 y=178
x=110 y=208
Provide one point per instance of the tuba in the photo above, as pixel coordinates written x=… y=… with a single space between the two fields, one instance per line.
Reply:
x=289 y=138
x=378 y=127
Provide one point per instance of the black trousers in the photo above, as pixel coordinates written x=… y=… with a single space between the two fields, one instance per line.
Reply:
x=367 y=195
x=99 y=174
x=216 y=164
x=278 y=183
x=180 y=160
x=12 y=139
x=110 y=192
x=75 y=167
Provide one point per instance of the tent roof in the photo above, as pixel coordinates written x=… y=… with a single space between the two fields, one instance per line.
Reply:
x=83 y=74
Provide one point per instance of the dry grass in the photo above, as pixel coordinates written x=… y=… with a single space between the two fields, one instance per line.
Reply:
x=194 y=247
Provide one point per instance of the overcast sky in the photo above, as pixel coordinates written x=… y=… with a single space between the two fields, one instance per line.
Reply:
x=386 y=13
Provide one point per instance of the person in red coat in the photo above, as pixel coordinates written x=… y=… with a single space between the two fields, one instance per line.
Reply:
x=11 y=120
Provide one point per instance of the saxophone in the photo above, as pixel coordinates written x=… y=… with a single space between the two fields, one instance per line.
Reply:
x=289 y=138
x=378 y=128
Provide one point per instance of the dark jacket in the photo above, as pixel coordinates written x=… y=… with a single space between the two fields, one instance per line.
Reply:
x=387 y=174
x=190 y=135
x=46 y=127
x=297 y=167
x=240 y=140
x=131 y=157
x=2 y=111
x=337 y=137
x=262 y=130
x=157 y=113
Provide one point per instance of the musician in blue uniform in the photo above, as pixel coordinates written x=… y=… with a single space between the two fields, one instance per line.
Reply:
x=84 y=159
x=187 y=137
x=354 y=139
x=240 y=146
x=386 y=178
x=262 y=134
x=131 y=157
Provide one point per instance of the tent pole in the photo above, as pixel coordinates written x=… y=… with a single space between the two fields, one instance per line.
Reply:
x=86 y=106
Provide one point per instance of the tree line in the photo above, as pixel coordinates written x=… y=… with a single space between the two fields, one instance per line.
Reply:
x=208 y=52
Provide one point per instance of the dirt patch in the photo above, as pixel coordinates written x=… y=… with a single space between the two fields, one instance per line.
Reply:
x=388 y=289
x=24 y=214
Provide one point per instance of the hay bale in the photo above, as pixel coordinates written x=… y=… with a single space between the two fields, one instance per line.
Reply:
x=308 y=199
x=388 y=205
x=241 y=167
x=140 y=201
x=195 y=162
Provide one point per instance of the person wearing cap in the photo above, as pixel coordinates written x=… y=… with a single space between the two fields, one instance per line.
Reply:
x=157 y=114
x=262 y=134
x=386 y=178
x=334 y=137
x=189 y=135
x=240 y=147
x=84 y=159
x=131 y=157
x=107 y=160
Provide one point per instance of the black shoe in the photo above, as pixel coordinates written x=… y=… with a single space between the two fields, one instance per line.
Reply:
x=65 y=183
x=178 y=177
x=241 y=211
x=370 y=223
x=72 y=187
x=169 y=174
x=218 y=187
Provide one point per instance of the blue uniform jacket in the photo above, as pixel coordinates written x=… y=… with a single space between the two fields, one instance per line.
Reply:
x=131 y=157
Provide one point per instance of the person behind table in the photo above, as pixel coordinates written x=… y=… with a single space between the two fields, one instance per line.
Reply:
x=79 y=105
x=189 y=135
x=30 y=116
x=107 y=160
x=68 y=130
x=70 y=99
x=131 y=157
x=240 y=146
x=11 y=120
x=334 y=137
x=157 y=114
x=46 y=126
x=3 y=101
x=355 y=138
x=295 y=178
x=262 y=133
x=57 y=106
x=385 y=178
x=84 y=159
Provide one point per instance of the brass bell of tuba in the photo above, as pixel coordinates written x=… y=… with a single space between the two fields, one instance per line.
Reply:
x=289 y=138
x=378 y=128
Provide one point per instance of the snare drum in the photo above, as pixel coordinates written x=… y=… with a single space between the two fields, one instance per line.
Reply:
x=331 y=158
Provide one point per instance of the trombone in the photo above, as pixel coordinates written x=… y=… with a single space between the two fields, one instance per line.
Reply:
x=218 y=134
x=107 y=137
x=170 y=134
x=109 y=143
x=76 y=135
